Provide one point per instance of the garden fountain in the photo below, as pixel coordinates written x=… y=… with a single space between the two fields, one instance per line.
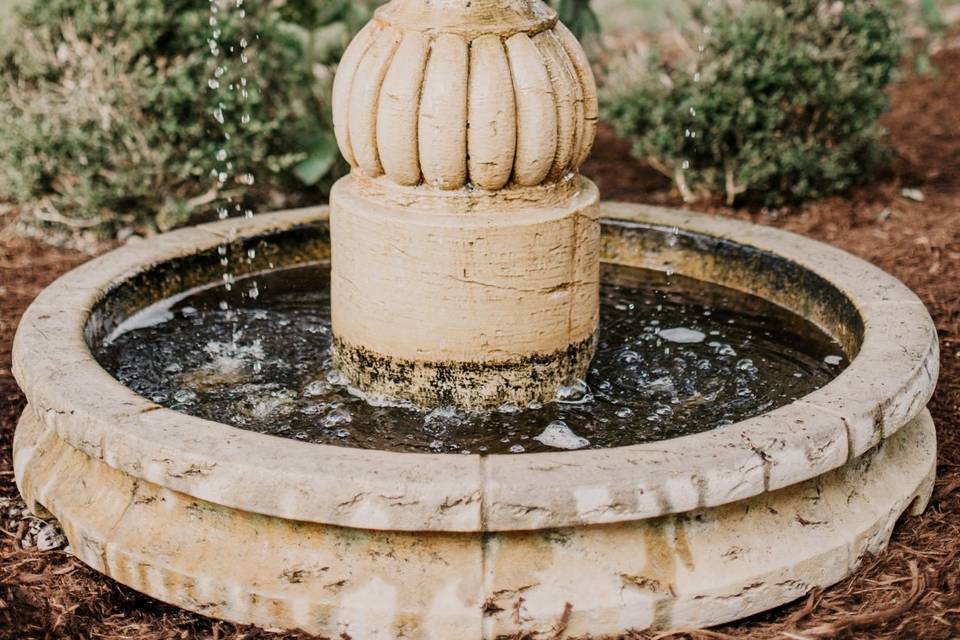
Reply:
x=475 y=282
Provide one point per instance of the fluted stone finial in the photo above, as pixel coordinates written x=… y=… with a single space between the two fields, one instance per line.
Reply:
x=421 y=98
x=465 y=265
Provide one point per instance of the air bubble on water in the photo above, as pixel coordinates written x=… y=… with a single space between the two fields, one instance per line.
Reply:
x=441 y=419
x=833 y=360
x=747 y=366
x=343 y=433
x=253 y=292
x=184 y=396
x=336 y=378
x=316 y=388
x=517 y=448
x=559 y=435
x=624 y=412
x=336 y=417
x=663 y=383
x=726 y=350
x=576 y=393
x=213 y=83
x=508 y=408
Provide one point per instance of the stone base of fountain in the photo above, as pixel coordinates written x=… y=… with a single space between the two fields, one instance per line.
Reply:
x=693 y=531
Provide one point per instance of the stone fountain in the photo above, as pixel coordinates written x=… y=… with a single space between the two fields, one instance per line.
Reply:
x=465 y=256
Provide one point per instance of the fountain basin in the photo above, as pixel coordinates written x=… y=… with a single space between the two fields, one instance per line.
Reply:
x=691 y=531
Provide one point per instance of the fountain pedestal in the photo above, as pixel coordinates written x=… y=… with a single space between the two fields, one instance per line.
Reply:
x=465 y=243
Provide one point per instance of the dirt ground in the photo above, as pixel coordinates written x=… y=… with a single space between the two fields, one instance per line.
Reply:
x=911 y=591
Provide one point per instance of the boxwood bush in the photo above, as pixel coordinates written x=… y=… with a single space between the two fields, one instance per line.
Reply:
x=777 y=101
x=122 y=114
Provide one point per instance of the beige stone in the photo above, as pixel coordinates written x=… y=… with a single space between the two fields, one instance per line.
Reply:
x=700 y=568
x=495 y=104
x=278 y=477
x=692 y=531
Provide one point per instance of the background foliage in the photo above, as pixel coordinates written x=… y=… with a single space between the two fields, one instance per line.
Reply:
x=776 y=101
x=109 y=123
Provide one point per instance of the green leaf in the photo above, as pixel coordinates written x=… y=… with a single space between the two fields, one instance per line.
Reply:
x=320 y=160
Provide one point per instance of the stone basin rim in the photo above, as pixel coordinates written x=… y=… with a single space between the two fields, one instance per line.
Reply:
x=888 y=383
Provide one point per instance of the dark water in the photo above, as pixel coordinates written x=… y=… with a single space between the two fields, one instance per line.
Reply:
x=675 y=357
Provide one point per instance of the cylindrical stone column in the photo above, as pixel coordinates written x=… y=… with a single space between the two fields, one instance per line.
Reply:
x=465 y=243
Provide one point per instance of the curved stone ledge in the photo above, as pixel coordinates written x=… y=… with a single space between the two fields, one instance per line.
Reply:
x=894 y=367
x=697 y=569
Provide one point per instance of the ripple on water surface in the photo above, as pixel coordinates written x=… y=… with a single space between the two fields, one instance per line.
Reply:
x=675 y=357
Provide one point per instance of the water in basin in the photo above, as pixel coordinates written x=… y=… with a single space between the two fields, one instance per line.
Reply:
x=675 y=357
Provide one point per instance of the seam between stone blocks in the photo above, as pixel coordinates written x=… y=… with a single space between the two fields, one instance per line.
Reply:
x=486 y=622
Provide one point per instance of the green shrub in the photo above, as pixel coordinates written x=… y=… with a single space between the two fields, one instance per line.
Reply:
x=782 y=104
x=107 y=120
x=578 y=15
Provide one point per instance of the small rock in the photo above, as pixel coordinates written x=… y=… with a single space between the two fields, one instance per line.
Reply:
x=560 y=436
x=913 y=194
x=50 y=537
x=682 y=335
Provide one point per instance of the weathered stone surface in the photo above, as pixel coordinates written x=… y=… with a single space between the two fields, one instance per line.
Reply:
x=888 y=383
x=699 y=568
x=696 y=530
x=469 y=310
x=491 y=295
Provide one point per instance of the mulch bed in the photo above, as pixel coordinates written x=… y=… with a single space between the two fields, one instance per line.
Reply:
x=911 y=591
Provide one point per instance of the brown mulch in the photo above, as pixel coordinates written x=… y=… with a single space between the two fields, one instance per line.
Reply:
x=911 y=591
